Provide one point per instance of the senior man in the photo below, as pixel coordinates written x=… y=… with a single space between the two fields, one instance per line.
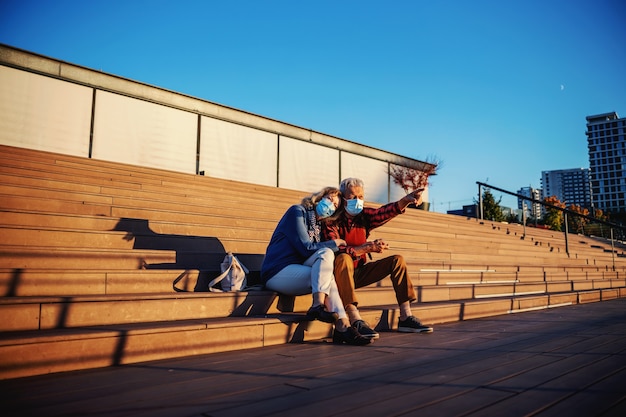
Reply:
x=352 y=269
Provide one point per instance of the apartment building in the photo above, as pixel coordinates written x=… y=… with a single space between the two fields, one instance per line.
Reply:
x=570 y=186
x=606 y=140
x=532 y=209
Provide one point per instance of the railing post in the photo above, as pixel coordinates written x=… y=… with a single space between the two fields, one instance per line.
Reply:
x=524 y=217
x=566 y=227
x=480 y=202
x=612 y=250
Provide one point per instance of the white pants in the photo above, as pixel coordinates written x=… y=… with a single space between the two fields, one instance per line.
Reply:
x=313 y=276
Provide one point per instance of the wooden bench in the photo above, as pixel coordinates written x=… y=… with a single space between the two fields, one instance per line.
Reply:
x=91 y=250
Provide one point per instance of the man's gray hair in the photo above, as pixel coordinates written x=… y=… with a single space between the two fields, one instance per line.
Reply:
x=348 y=183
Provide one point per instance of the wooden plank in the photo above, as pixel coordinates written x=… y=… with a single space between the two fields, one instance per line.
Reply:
x=21 y=283
x=44 y=205
x=604 y=397
x=471 y=368
x=44 y=258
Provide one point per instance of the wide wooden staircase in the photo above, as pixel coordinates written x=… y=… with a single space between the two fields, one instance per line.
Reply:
x=91 y=253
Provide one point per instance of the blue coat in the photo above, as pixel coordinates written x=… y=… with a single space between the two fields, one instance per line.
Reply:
x=290 y=244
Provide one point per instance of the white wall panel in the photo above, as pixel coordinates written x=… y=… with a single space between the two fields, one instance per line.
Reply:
x=396 y=191
x=373 y=172
x=307 y=166
x=43 y=113
x=240 y=153
x=141 y=133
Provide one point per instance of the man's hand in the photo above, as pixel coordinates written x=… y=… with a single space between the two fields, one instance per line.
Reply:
x=380 y=246
x=413 y=197
x=377 y=246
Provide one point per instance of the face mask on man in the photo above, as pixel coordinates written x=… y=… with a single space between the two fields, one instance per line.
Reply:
x=354 y=206
x=325 y=208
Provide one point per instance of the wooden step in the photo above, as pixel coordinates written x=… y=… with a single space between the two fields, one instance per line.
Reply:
x=91 y=251
x=32 y=313
x=56 y=350
x=39 y=313
x=71 y=282
x=44 y=282
x=41 y=352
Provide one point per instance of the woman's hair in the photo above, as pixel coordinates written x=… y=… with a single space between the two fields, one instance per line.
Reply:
x=348 y=183
x=310 y=201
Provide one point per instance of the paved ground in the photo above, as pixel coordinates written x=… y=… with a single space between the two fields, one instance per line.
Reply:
x=565 y=362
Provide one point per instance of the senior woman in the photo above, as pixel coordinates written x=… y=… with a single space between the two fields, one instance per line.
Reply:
x=297 y=262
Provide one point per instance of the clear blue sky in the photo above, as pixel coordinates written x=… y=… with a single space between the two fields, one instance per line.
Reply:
x=496 y=90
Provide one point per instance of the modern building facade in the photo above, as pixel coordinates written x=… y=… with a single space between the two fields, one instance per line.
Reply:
x=532 y=209
x=606 y=141
x=570 y=186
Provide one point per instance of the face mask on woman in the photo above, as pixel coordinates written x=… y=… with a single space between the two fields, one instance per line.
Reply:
x=354 y=206
x=325 y=208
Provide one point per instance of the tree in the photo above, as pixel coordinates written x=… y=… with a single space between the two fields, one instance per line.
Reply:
x=413 y=179
x=491 y=207
x=512 y=218
x=553 y=217
x=599 y=229
x=577 y=223
x=599 y=214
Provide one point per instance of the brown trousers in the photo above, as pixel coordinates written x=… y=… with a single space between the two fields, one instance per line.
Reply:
x=349 y=279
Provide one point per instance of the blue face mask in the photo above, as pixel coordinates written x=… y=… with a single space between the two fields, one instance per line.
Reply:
x=325 y=208
x=354 y=206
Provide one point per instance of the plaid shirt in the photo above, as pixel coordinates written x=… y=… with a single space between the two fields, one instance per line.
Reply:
x=356 y=230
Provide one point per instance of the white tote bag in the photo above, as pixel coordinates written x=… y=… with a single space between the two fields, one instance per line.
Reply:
x=233 y=276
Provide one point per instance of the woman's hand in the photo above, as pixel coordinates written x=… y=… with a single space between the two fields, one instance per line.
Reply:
x=340 y=242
